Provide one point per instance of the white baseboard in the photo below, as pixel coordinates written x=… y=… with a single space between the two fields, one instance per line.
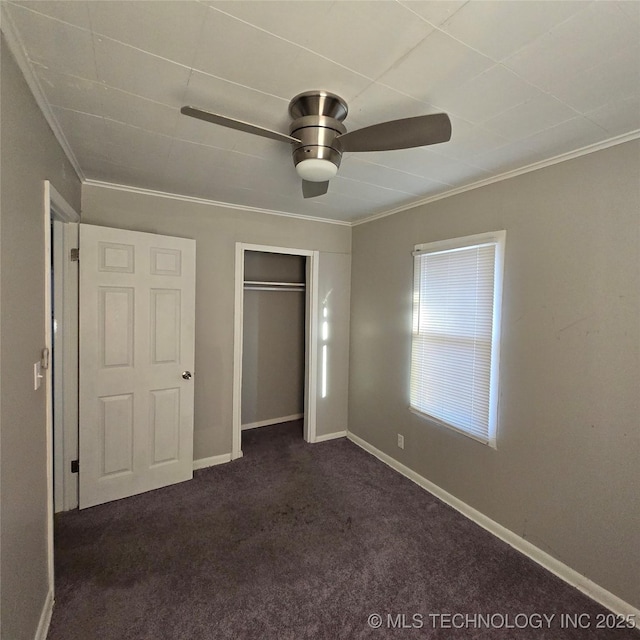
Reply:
x=266 y=423
x=45 y=618
x=331 y=436
x=563 y=571
x=203 y=463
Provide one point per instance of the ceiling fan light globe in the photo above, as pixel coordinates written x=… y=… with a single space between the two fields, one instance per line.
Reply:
x=316 y=170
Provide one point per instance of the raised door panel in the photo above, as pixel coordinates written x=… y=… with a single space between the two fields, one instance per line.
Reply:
x=116 y=257
x=165 y=262
x=116 y=316
x=165 y=325
x=116 y=435
x=164 y=424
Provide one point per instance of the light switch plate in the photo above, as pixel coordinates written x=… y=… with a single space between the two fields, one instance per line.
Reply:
x=37 y=376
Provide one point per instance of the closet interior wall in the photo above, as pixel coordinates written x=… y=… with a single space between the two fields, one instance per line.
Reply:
x=273 y=353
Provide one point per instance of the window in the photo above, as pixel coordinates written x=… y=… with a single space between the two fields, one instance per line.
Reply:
x=457 y=293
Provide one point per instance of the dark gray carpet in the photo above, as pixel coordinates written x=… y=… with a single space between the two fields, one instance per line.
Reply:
x=299 y=541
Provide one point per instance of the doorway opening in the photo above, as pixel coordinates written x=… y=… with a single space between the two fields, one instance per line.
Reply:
x=275 y=345
x=60 y=352
x=273 y=353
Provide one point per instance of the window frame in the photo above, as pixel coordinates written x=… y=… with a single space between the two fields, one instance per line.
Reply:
x=497 y=239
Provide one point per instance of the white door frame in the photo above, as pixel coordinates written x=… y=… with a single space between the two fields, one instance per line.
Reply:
x=65 y=364
x=311 y=341
x=55 y=207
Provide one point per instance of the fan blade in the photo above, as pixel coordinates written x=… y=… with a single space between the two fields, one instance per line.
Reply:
x=314 y=189
x=399 y=134
x=236 y=124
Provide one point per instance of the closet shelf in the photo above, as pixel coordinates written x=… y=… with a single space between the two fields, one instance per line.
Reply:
x=261 y=285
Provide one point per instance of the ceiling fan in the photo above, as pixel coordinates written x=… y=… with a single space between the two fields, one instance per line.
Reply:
x=319 y=138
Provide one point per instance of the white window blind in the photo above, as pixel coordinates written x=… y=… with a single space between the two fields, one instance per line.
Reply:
x=456 y=312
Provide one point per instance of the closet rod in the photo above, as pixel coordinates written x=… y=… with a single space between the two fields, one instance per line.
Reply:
x=267 y=283
x=277 y=288
x=261 y=285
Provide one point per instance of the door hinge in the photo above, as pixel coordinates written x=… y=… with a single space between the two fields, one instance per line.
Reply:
x=75 y=255
x=75 y=466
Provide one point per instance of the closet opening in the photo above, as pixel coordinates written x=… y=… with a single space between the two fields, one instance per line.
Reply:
x=273 y=340
x=275 y=353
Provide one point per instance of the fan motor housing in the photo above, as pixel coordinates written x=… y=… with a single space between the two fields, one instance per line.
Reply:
x=317 y=122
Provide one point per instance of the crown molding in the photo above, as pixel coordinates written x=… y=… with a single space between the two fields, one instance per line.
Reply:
x=592 y=148
x=228 y=205
x=19 y=53
x=598 y=146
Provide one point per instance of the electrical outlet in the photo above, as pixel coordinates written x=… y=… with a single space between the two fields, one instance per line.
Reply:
x=401 y=441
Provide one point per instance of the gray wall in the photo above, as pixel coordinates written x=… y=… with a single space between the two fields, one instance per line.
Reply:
x=274 y=339
x=335 y=296
x=565 y=475
x=216 y=229
x=29 y=154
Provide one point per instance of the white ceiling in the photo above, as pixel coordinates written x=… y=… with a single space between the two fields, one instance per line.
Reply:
x=523 y=82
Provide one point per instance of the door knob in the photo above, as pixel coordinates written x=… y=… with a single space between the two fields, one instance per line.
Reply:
x=186 y=375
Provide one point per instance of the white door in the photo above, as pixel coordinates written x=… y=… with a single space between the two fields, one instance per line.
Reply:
x=137 y=302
